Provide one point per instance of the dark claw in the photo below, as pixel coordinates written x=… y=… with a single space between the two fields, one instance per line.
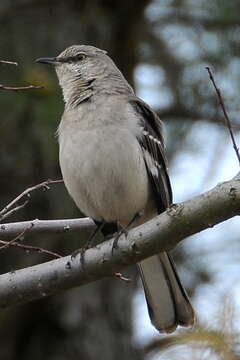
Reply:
x=82 y=257
x=115 y=241
x=80 y=252
x=75 y=253
x=88 y=244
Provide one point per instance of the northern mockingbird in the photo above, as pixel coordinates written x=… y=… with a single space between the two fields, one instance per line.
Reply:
x=114 y=167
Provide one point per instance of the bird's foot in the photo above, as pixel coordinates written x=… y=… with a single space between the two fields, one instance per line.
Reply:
x=88 y=245
x=122 y=231
x=80 y=252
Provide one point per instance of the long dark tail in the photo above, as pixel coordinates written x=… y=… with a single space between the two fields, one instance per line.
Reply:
x=167 y=301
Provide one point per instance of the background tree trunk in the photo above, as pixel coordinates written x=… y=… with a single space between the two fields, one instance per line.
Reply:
x=96 y=320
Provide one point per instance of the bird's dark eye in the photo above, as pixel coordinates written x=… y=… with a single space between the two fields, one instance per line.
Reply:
x=80 y=57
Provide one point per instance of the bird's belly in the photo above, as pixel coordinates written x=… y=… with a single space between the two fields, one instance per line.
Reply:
x=105 y=175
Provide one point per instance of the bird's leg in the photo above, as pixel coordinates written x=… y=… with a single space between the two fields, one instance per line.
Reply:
x=88 y=243
x=123 y=230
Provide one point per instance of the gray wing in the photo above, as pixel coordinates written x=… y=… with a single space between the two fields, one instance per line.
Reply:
x=167 y=301
x=152 y=143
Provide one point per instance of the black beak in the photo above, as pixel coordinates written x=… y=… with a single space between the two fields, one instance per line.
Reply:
x=50 y=61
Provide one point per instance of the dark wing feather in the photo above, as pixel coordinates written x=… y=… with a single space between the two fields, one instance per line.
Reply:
x=167 y=301
x=152 y=143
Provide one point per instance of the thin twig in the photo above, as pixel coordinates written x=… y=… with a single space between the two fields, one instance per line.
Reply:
x=8 y=62
x=14 y=242
x=29 y=248
x=7 y=210
x=221 y=103
x=16 y=238
x=12 y=211
x=121 y=277
x=29 y=87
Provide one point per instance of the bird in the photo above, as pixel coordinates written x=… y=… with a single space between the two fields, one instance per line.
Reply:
x=114 y=166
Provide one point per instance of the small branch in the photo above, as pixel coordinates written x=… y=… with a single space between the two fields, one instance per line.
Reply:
x=159 y=234
x=11 y=208
x=8 y=62
x=29 y=87
x=221 y=103
x=8 y=230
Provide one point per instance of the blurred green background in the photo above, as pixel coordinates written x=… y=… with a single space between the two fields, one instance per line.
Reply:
x=162 y=47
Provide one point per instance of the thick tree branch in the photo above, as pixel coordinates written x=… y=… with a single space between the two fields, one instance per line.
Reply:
x=162 y=233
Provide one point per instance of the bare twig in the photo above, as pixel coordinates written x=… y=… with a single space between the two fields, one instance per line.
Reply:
x=29 y=87
x=8 y=62
x=12 y=211
x=29 y=248
x=221 y=103
x=17 y=88
x=121 y=277
x=13 y=207
x=14 y=241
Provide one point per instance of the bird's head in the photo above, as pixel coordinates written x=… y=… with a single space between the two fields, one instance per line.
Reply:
x=81 y=65
x=81 y=62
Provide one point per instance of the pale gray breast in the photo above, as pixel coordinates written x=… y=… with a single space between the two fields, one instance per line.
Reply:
x=103 y=166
